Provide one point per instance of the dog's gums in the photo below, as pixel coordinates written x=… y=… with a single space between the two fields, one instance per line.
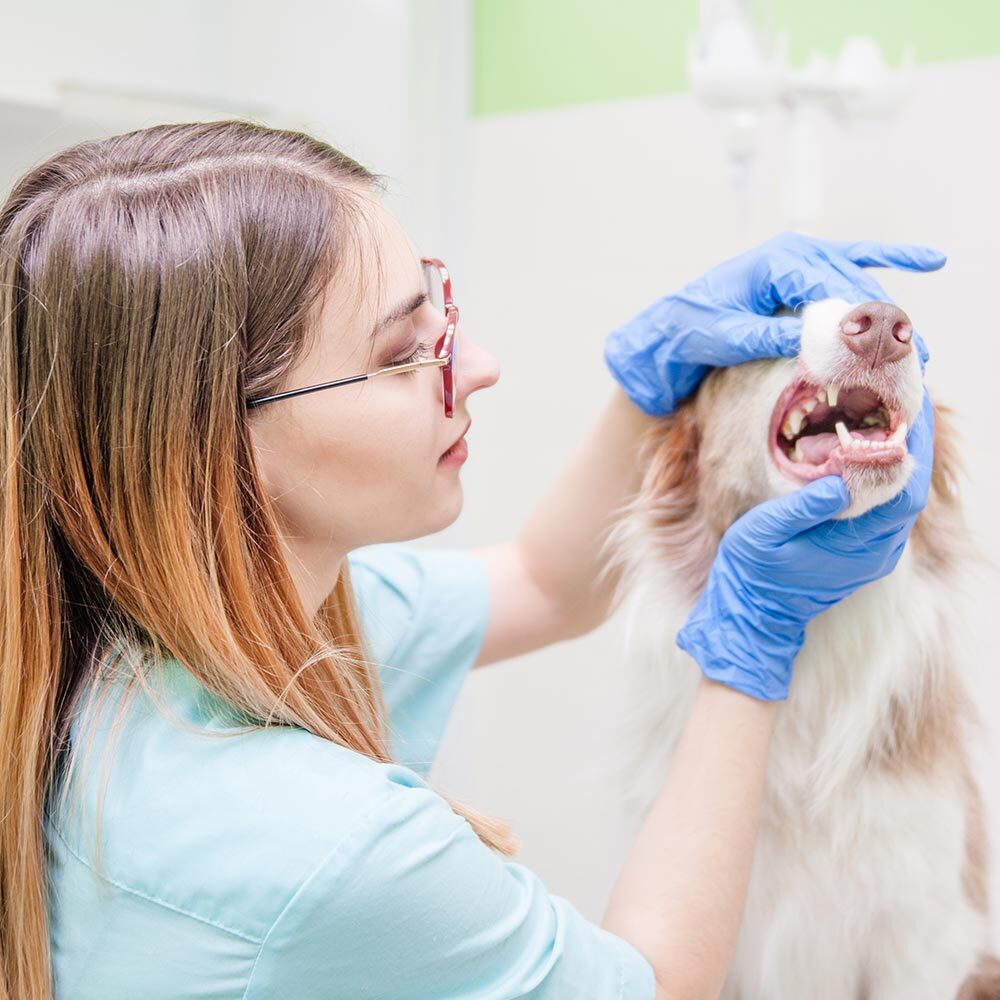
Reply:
x=820 y=430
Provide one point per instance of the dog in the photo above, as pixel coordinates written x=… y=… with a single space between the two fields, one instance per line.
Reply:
x=869 y=879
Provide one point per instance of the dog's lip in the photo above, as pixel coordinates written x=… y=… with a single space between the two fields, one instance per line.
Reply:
x=840 y=458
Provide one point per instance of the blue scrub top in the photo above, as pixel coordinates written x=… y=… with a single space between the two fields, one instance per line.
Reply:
x=277 y=864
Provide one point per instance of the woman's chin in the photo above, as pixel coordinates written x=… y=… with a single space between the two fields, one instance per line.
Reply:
x=452 y=505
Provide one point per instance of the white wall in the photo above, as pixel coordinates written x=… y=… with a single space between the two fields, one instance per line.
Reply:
x=383 y=80
x=578 y=218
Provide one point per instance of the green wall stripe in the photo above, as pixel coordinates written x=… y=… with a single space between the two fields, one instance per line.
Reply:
x=550 y=53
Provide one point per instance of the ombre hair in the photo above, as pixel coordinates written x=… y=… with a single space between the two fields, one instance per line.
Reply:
x=151 y=283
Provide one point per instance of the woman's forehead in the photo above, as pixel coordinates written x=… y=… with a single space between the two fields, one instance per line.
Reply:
x=377 y=269
x=387 y=270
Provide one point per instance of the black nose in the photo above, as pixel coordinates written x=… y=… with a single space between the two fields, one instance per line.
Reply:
x=878 y=332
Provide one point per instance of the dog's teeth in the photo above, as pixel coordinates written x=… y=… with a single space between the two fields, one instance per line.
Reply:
x=832 y=392
x=899 y=434
x=793 y=423
x=796 y=454
x=872 y=420
x=809 y=405
x=845 y=438
x=821 y=395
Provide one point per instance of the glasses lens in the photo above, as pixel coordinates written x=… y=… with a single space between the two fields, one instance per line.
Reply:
x=435 y=291
x=435 y=287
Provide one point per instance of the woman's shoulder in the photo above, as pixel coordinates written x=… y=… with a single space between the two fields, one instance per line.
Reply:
x=221 y=823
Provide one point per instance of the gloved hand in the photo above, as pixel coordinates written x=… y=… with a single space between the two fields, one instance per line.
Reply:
x=784 y=561
x=726 y=316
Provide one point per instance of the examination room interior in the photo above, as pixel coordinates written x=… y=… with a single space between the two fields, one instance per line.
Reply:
x=572 y=161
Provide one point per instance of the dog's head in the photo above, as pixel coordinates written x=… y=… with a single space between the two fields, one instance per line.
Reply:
x=758 y=430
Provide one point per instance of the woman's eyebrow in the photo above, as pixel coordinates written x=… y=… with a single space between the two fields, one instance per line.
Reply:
x=399 y=312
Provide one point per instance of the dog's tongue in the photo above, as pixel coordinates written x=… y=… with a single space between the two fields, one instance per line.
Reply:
x=815 y=448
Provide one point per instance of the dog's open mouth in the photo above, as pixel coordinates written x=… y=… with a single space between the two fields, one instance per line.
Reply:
x=822 y=430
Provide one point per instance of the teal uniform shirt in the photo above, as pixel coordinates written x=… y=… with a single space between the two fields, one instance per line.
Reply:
x=279 y=865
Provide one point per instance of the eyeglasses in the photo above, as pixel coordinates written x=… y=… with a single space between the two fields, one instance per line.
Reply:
x=438 y=282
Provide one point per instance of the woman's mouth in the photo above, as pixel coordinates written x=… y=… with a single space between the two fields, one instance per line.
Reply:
x=820 y=430
x=456 y=454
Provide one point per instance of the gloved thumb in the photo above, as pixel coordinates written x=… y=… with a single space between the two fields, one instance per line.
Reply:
x=777 y=520
x=907 y=256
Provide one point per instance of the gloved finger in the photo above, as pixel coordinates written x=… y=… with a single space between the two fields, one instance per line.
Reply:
x=923 y=355
x=746 y=336
x=775 y=521
x=826 y=279
x=907 y=256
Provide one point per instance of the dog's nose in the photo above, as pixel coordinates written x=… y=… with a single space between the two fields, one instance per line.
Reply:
x=878 y=332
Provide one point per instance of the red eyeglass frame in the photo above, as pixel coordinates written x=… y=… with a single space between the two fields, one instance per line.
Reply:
x=444 y=355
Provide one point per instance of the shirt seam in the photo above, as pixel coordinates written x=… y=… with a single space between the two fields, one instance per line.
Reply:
x=317 y=868
x=131 y=890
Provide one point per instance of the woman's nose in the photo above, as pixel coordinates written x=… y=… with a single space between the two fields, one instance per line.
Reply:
x=475 y=367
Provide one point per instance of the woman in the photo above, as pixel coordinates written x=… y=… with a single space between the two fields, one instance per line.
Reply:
x=204 y=792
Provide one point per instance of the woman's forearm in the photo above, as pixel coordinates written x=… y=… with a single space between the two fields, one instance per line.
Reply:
x=561 y=539
x=680 y=894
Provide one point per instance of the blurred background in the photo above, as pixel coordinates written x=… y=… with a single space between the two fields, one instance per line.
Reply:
x=572 y=160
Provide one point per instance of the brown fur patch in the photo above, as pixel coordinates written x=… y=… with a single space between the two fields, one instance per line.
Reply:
x=974 y=873
x=925 y=732
x=669 y=498
x=939 y=527
x=984 y=983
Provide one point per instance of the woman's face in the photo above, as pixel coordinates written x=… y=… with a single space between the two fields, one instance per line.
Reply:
x=357 y=464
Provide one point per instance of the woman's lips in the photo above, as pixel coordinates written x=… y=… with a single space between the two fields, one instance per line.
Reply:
x=460 y=440
x=456 y=454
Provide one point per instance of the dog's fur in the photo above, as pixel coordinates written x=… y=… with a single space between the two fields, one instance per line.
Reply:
x=869 y=878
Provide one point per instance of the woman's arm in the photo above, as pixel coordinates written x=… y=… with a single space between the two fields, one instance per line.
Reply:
x=544 y=585
x=680 y=894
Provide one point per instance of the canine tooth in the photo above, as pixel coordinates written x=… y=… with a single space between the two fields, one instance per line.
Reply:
x=832 y=392
x=845 y=438
x=899 y=434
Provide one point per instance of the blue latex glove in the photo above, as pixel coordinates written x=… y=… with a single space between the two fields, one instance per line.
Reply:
x=784 y=561
x=726 y=316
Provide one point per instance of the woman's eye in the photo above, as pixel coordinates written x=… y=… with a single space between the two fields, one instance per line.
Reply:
x=417 y=354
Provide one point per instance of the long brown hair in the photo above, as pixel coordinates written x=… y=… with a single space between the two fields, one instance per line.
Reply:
x=151 y=283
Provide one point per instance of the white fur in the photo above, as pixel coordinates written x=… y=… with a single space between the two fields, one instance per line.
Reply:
x=856 y=891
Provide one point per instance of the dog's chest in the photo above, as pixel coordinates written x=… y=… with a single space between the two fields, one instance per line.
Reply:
x=863 y=663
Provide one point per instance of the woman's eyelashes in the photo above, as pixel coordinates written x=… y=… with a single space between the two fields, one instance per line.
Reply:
x=417 y=354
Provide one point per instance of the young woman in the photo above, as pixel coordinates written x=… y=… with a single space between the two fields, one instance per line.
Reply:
x=225 y=370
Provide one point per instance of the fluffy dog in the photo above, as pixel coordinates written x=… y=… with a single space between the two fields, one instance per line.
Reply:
x=869 y=878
